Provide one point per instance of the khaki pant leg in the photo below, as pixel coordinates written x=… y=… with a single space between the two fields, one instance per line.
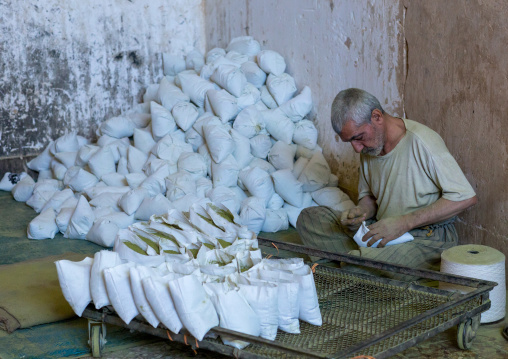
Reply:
x=319 y=227
x=424 y=252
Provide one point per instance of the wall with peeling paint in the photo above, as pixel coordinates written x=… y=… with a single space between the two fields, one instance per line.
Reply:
x=457 y=85
x=68 y=65
x=329 y=46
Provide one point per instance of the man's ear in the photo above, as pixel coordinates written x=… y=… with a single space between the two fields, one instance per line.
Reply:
x=377 y=117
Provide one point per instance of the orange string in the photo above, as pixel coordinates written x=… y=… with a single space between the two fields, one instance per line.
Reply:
x=169 y=336
x=273 y=244
x=313 y=268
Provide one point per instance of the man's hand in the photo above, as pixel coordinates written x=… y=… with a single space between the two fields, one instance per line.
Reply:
x=352 y=219
x=388 y=229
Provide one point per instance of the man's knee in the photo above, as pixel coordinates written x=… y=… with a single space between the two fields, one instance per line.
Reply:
x=309 y=216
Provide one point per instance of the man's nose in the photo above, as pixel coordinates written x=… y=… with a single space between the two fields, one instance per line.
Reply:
x=358 y=147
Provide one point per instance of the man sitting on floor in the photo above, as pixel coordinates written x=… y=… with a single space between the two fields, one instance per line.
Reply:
x=409 y=182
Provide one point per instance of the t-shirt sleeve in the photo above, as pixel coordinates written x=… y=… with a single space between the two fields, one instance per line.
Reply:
x=363 y=186
x=445 y=171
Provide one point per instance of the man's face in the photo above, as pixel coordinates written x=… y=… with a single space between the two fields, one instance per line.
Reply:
x=367 y=138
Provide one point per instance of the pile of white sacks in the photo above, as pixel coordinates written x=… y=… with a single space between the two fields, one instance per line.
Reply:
x=226 y=128
x=195 y=270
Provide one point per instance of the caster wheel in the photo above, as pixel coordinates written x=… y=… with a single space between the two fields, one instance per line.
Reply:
x=466 y=333
x=96 y=341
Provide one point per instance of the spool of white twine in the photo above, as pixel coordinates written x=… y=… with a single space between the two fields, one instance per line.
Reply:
x=480 y=262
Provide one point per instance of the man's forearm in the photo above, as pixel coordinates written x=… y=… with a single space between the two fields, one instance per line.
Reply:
x=439 y=211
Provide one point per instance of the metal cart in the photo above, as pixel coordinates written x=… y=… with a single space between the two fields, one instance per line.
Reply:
x=363 y=315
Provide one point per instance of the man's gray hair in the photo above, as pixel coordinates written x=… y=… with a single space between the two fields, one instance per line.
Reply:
x=353 y=105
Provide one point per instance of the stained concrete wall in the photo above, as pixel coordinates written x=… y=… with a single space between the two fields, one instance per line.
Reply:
x=329 y=46
x=68 y=65
x=457 y=84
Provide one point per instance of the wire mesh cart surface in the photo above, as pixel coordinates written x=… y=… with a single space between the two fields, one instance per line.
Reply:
x=362 y=315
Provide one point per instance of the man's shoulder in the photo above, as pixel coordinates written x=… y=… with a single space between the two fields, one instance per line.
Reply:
x=424 y=135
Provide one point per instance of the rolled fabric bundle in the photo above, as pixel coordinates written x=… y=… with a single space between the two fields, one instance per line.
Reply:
x=480 y=262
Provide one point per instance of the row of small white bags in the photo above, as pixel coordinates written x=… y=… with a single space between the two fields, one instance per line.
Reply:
x=180 y=293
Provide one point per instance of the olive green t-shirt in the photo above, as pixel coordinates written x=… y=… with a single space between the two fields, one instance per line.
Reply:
x=415 y=174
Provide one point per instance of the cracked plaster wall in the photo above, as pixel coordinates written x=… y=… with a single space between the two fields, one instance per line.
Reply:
x=69 y=65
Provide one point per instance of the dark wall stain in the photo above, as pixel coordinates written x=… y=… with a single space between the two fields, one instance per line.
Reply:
x=135 y=59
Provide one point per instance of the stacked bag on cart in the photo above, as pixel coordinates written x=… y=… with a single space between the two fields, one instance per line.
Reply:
x=195 y=270
x=228 y=127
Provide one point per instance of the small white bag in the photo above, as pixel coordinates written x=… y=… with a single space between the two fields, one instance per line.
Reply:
x=162 y=120
x=263 y=297
x=169 y=95
x=43 y=160
x=117 y=127
x=261 y=145
x=219 y=141
x=230 y=78
x=279 y=125
x=258 y=182
x=43 y=226
x=271 y=62
x=305 y=134
x=23 y=190
x=226 y=172
x=172 y=64
x=288 y=187
x=316 y=174
x=102 y=162
x=81 y=220
x=299 y=106
x=118 y=285
x=102 y=260
x=281 y=87
x=253 y=213
x=253 y=73
x=224 y=105
x=143 y=139
x=234 y=312
x=82 y=180
x=276 y=220
x=137 y=274
x=245 y=45
x=39 y=199
x=157 y=205
x=135 y=159
x=192 y=163
x=249 y=122
x=329 y=196
x=157 y=293
x=74 y=278
x=185 y=114
x=103 y=233
x=131 y=200
x=193 y=306
x=282 y=155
